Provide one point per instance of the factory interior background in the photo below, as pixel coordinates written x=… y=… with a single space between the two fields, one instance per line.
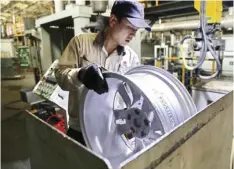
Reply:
x=34 y=116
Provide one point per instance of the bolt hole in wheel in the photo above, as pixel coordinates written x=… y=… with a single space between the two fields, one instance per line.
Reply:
x=139 y=108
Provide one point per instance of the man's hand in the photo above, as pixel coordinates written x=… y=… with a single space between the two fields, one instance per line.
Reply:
x=91 y=76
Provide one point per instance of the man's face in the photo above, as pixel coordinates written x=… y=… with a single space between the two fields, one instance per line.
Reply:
x=122 y=31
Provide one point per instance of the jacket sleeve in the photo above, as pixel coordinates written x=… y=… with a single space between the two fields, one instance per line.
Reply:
x=68 y=67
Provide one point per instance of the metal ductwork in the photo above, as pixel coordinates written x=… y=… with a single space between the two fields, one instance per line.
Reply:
x=186 y=25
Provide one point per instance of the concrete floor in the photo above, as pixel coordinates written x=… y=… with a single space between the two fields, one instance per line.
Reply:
x=14 y=146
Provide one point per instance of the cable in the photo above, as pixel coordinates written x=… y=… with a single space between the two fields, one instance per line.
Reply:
x=183 y=57
x=209 y=45
x=8 y=105
x=206 y=43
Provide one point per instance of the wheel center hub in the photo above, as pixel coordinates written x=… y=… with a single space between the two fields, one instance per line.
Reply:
x=138 y=122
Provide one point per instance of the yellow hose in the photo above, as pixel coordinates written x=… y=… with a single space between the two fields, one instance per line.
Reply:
x=183 y=74
x=183 y=58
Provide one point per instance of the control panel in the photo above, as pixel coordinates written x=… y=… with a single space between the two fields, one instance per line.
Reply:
x=47 y=85
x=48 y=88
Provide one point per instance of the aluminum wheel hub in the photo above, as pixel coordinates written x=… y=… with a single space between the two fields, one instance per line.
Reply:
x=139 y=108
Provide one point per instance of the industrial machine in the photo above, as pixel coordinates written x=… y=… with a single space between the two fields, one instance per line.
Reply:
x=10 y=64
x=48 y=89
x=48 y=101
x=161 y=52
x=207 y=37
x=185 y=39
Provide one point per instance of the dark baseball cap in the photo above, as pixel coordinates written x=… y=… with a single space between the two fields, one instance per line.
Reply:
x=132 y=10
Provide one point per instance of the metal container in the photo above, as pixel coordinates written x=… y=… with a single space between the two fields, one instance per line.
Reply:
x=99 y=6
x=140 y=107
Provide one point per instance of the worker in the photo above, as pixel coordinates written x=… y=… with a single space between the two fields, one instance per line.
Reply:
x=82 y=61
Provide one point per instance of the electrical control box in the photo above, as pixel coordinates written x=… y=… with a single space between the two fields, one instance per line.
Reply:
x=47 y=85
x=48 y=88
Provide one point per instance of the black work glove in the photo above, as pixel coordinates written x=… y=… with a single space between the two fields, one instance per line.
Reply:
x=91 y=76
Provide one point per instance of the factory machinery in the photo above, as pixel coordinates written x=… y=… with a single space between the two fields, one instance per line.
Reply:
x=195 y=50
x=138 y=124
x=198 y=52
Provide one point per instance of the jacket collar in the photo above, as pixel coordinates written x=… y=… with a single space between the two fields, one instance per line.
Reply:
x=99 y=41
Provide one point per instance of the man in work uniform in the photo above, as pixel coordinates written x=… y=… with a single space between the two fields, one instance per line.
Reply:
x=80 y=65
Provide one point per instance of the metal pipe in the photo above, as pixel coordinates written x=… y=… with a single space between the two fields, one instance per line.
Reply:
x=179 y=58
x=191 y=78
x=213 y=67
x=183 y=74
x=185 y=25
x=58 y=4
